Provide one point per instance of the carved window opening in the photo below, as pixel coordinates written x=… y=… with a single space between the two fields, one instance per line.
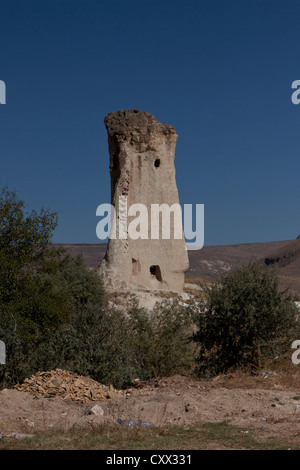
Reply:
x=136 y=267
x=155 y=271
x=157 y=163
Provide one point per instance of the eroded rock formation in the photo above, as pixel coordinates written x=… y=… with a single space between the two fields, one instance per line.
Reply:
x=142 y=152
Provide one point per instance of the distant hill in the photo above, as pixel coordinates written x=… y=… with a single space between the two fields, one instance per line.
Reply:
x=287 y=260
x=285 y=255
x=92 y=254
x=211 y=261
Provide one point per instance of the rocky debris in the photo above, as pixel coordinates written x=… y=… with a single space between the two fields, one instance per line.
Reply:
x=67 y=385
x=96 y=410
x=148 y=299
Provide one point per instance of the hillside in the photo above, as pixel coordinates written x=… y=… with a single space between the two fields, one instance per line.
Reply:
x=287 y=260
x=209 y=262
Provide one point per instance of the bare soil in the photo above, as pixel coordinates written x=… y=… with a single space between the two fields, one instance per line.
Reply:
x=269 y=401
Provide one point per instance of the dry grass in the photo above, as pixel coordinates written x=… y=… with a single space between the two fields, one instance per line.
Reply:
x=203 y=436
x=278 y=374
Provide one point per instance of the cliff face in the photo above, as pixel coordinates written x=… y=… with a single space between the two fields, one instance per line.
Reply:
x=142 y=153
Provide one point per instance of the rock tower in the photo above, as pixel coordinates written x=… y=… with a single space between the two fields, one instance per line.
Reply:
x=142 y=153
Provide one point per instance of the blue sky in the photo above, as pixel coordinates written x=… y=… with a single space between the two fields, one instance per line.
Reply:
x=219 y=71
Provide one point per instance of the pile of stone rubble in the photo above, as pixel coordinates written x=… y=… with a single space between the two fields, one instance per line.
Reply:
x=66 y=385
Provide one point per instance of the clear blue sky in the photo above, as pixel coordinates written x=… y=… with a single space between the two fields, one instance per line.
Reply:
x=219 y=71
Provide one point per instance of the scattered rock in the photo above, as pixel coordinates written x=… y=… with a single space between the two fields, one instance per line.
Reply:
x=96 y=410
x=66 y=384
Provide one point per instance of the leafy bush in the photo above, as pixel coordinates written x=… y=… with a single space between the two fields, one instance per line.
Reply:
x=29 y=292
x=40 y=286
x=66 y=300
x=161 y=339
x=243 y=319
x=113 y=347
x=53 y=312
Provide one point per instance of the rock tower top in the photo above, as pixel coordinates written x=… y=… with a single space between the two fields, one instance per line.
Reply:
x=133 y=121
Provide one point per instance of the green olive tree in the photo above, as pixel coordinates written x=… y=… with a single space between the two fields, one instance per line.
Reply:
x=243 y=318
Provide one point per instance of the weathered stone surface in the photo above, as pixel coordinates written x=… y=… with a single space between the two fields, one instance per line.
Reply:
x=97 y=410
x=142 y=153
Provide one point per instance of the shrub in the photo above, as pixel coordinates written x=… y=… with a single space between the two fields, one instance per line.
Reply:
x=115 y=348
x=29 y=293
x=161 y=339
x=243 y=319
x=53 y=312
x=40 y=286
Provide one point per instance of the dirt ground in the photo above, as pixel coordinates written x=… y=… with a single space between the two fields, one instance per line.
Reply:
x=264 y=401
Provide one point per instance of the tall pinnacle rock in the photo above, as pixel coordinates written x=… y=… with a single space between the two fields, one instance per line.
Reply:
x=142 y=153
